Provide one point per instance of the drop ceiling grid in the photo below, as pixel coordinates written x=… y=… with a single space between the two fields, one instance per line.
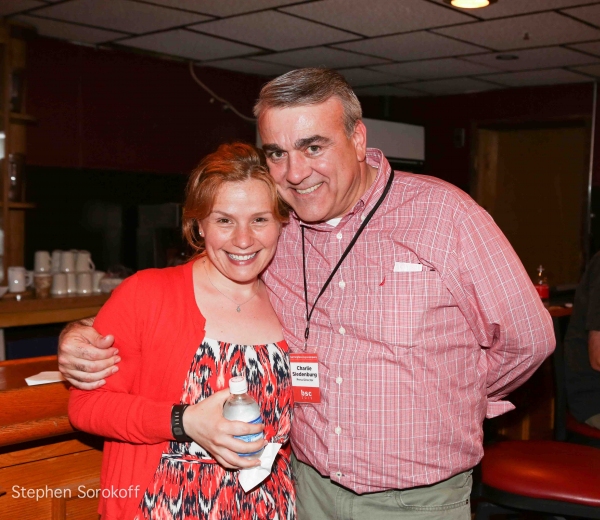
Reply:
x=432 y=48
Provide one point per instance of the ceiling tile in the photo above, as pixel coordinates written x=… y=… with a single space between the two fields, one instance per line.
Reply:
x=259 y=68
x=387 y=17
x=222 y=7
x=387 y=90
x=273 y=30
x=537 y=77
x=321 y=57
x=188 y=44
x=430 y=69
x=120 y=15
x=412 y=46
x=545 y=57
x=16 y=6
x=514 y=7
x=591 y=47
x=69 y=31
x=589 y=13
x=510 y=33
x=358 y=77
x=592 y=70
x=450 y=86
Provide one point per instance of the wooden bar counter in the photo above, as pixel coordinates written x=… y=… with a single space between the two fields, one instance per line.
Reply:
x=47 y=470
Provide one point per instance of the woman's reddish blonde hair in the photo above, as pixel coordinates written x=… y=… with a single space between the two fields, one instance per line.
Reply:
x=235 y=162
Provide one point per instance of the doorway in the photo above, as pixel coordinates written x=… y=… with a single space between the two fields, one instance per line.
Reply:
x=533 y=181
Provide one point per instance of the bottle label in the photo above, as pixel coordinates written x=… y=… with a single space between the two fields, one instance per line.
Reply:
x=543 y=290
x=251 y=437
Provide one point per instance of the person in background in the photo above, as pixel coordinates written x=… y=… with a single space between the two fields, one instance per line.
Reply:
x=182 y=333
x=418 y=310
x=582 y=348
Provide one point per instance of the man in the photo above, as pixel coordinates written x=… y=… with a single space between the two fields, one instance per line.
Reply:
x=582 y=348
x=426 y=325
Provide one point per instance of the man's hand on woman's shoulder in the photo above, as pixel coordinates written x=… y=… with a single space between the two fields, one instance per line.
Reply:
x=85 y=357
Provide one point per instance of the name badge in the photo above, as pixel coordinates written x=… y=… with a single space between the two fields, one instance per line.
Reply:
x=305 y=377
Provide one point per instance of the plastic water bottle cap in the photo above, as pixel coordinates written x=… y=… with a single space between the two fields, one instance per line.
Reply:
x=238 y=385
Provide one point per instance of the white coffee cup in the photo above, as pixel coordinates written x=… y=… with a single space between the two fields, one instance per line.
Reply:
x=59 y=284
x=42 y=263
x=18 y=279
x=56 y=254
x=83 y=262
x=96 y=277
x=67 y=262
x=84 y=283
x=71 y=283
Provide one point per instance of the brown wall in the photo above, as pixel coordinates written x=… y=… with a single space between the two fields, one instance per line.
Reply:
x=441 y=115
x=113 y=109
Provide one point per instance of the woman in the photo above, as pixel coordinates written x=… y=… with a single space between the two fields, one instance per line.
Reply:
x=182 y=332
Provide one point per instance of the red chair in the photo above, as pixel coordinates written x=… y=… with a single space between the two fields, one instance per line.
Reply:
x=553 y=477
x=541 y=476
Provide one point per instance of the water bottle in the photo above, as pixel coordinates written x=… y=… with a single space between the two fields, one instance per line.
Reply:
x=241 y=407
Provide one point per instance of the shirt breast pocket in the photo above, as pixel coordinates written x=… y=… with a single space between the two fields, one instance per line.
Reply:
x=409 y=306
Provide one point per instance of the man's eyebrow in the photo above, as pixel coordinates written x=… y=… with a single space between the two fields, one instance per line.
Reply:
x=271 y=148
x=308 y=141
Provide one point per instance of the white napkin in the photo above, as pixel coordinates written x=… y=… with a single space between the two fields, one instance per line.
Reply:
x=44 y=377
x=251 y=477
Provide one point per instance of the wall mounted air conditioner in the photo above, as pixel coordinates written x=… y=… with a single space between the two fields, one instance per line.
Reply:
x=401 y=143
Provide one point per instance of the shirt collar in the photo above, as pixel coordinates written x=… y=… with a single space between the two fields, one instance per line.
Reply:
x=376 y=159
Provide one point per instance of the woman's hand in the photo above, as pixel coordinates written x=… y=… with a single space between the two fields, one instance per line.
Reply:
x=204 y=422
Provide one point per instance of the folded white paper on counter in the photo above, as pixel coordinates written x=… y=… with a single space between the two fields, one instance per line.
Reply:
x=251 y=477
x=44 y=378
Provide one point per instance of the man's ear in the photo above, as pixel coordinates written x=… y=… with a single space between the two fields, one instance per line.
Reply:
x=359 y=138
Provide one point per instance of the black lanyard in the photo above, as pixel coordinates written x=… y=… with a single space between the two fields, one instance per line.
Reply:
x=344 y=255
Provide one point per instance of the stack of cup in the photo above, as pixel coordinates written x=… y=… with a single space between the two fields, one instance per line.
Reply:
x=42 y=274
x=74 y=273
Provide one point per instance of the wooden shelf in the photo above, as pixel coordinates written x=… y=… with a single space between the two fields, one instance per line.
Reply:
x=41 y=311
x=17 y=117
x=19 y=205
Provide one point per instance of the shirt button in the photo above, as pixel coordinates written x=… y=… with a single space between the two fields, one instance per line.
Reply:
x=342 y=330
x=339 y=236
x=337 y=430
x=363 y=217
x=339 y=380
x=342 y=284
x=338 y=474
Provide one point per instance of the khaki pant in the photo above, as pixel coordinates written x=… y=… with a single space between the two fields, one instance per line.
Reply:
x=321 y=499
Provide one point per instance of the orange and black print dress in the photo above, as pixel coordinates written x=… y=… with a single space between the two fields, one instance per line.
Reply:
x=188 y=483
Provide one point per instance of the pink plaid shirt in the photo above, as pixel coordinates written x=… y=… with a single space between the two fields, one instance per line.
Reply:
x=410 y=363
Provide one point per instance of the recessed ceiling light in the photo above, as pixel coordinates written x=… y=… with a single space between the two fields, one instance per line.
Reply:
x=470 y=4
x=507 y=57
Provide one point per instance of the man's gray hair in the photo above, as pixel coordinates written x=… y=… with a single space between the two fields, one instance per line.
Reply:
x=310 y=86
